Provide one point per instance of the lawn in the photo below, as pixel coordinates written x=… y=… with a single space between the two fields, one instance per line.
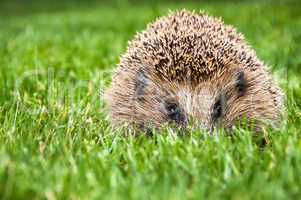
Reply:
x=56 y=59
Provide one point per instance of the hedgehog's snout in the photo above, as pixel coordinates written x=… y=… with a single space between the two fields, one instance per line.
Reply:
x=200 y=108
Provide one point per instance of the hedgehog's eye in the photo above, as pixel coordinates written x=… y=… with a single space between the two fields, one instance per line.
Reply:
x=172 y=109
x=217 y=110
x=174 y=112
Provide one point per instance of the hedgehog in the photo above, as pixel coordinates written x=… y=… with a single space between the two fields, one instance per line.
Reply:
x=190 y=66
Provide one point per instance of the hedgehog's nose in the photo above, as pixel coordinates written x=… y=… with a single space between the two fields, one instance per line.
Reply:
x=206 y=128
x=199 y=125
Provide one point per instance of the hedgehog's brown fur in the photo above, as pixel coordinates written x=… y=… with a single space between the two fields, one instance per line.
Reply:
x=189 y=64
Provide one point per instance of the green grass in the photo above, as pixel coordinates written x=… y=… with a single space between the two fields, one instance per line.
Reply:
x=55 y=140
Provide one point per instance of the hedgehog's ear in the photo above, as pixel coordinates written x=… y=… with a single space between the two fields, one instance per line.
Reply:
x=141 y=83
x=240 y=83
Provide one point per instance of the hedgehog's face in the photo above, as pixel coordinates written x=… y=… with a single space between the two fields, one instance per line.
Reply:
x=218 y=102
